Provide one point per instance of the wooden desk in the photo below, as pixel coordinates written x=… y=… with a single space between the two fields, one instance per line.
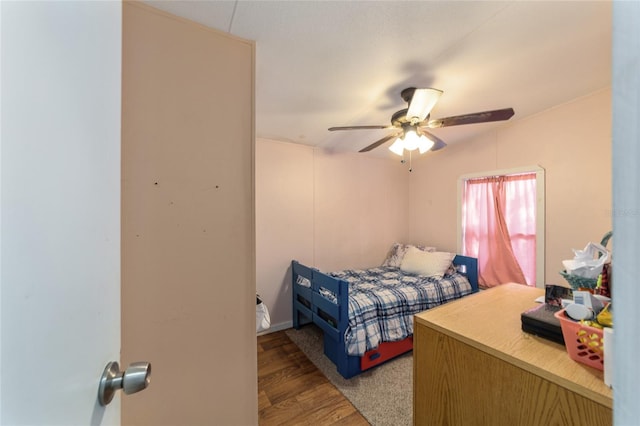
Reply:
x=473 y=365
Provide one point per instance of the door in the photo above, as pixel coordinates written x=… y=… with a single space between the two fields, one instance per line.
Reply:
x=188 y=262
x=60 y=210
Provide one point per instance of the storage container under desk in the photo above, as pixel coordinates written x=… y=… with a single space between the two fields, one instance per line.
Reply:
x=473 y=365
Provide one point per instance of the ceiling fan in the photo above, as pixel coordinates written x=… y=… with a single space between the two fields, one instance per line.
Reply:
x=409 y=125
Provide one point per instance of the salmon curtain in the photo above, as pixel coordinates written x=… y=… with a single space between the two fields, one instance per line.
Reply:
x=499 y=226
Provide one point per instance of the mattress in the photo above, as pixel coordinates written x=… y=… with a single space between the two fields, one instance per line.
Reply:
x=383 y=301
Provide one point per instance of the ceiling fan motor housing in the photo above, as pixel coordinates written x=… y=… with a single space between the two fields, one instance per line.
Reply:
x=407 y=94
x=399 y=118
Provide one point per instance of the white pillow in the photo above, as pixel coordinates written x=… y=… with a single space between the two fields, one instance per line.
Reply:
x=429 y=264
x=397 y=252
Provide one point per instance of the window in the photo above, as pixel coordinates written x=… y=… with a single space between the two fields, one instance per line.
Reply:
x=501 y=222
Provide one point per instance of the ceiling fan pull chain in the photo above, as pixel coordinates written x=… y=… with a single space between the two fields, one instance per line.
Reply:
x=410 y=166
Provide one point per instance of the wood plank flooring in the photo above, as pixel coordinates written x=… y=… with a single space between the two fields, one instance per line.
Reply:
x=292 y=391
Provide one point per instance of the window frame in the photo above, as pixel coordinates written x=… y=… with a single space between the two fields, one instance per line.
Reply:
x=540 y=211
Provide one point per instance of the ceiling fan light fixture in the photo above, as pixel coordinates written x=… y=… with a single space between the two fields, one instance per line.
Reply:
x=397 y=147
x=411 y=140
x=425 y=144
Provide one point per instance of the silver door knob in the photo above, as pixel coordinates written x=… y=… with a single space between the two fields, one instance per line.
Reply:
x=134 y=379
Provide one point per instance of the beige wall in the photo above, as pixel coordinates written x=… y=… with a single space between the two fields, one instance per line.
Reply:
x=284 y=221
x=188 y=247
x=572 y=142
x=360 y=209
x=331 y=211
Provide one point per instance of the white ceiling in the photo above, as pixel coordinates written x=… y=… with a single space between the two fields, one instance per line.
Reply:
x=340 y=63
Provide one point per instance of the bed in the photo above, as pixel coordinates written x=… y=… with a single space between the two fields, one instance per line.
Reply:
x=373 y=322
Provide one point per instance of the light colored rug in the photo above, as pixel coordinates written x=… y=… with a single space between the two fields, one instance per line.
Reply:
x=383 y=395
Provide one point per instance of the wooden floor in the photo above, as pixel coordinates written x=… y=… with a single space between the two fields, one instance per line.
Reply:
x=292 y=391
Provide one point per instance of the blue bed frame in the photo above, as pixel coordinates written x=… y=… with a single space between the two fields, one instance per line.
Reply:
x=309 y=306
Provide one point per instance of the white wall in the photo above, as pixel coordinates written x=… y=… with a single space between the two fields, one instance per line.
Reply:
x=330 y=211
x=626 y=210
x=60 y=207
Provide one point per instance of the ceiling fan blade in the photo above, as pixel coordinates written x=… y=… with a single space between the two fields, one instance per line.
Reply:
x=438 y=145
x=422 y=102
x=379 y=142
x=331 y=129
x=478 y=117
x=437 y=142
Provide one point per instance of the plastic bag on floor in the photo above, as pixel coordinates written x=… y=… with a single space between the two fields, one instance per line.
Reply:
x=263 y=321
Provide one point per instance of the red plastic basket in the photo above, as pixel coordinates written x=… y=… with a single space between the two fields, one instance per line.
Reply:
x=584 y=343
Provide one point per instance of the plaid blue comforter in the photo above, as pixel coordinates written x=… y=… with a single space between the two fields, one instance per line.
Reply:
x=382 y=302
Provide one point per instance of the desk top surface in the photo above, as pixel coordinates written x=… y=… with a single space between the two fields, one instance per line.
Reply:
x=490 y=321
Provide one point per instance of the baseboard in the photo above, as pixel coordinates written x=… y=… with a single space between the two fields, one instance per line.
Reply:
x=277 y=327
